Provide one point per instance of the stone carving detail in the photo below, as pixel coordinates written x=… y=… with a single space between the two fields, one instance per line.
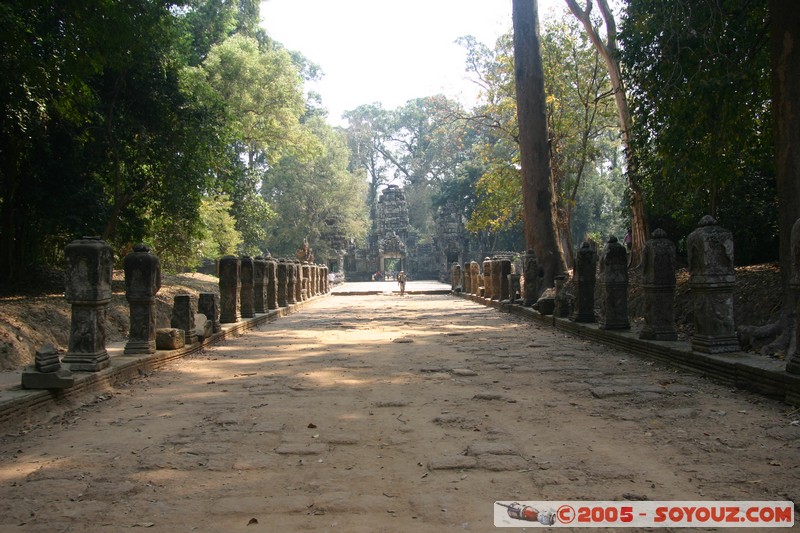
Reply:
x=561 y=302
x=229 y=281
x=614 y=285
x=142 y=282
x=272 y=283
x=455 y=278
x=298 y=281
x=793 y=360
x=585 y=281
x=504 y=270
x=475 y=277
x=658 y=282
x=496 y=279
x=89 y=264
x=711 y=280
x=247 y=298
x=46 y=372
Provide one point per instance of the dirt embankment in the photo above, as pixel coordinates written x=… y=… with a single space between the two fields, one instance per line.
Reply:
x=42 y=315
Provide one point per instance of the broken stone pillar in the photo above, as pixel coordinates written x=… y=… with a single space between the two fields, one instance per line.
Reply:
x=514 y=281
x=496 y=278
x=487 y=278
x=247 y=297
x=503 y=289
x=467 y=279
x=46 y=373
x=530 y=273
x=283 y=283
x=229 y=271
x=291 y=282
x=475 y=277
x=208 y=304
x=585 y=280
x=793 y=360
x=183 y=311
x=89 y=264
x=658 y=282
x=142 y=281
x=260 y=285
x=711 y=280
x=455 y=278
x=561 y=308
x=614 y=285
x=272 y=284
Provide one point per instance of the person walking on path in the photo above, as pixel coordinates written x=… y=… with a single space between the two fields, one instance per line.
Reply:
x=401 y=280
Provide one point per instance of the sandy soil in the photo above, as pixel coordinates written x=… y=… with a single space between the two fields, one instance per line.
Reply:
x=388 y=413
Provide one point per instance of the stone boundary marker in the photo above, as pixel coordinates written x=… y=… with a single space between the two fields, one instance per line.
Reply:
x=756 y=373
x=18 y=406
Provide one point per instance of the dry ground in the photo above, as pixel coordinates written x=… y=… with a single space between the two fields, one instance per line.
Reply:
x=388 y=413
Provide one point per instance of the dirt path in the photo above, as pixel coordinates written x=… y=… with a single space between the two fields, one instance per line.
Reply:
x=384 y=413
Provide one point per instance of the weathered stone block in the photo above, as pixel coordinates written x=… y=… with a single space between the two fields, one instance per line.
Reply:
x=170 y=339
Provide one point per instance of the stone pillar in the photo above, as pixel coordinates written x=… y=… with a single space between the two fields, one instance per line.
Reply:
x=272 y=284
x=514 y=287
x=504 y=289
x=561 y=309
x=314 y=279
x=305 y=283
x=793 y=360
x=326 y=278
x=298 y=281
x=475 y=277
x=229 y=280
x=496 y=278
x=246 y=300
x=260 y=285
x=89 y=264
x=283 y=283
x=208 y=304
x=183 y=310
x=585 y=280
x=530 y=272
x=711 y=280
x=291 y=282
x=142 y=281
x=467 y=279
x=455 y=278
x=658 y=282
x=614 y=285
x=487 y=278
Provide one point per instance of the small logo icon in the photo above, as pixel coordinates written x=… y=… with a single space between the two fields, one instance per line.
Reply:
x=527 y=513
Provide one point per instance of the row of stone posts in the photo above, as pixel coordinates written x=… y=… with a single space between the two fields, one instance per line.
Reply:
x=248 y=286
x=712 y=279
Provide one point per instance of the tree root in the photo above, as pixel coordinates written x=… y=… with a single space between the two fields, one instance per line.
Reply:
x=775 y=339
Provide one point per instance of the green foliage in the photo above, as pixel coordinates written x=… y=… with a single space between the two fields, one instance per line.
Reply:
x=699 y=77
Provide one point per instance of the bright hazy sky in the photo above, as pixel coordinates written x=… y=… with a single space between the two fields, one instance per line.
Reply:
x=388 y=51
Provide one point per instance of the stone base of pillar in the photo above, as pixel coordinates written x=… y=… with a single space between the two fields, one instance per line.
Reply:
x=87 y=362
x=135 y=347
x=615 y=325
x=715 y=344
x=793 y=364
x=652 y=334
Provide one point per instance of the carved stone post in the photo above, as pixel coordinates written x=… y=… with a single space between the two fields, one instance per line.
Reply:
x=246 y=300
x=89 y=264
x=487 y=278
x=305 y=283
x=272 y=283
x=283 y=283
x=793 y=361
x=585 y=280
x=260 y=285
x=614 y=284
x=496 y=278
x=455 y=278
x=514 y=287
x=530 y=272
x=467 y=279
x=561 y=302
x=658 y=282
x=711 y=280
x=142 y=281
x=503 y=288
x=208 y=304
x=475 y=277
x=298 y=284
x=291 y=282
x=229 y=280
x=183 y=316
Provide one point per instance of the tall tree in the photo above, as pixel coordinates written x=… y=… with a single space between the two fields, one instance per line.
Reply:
x=608 y=51
x=537 y=188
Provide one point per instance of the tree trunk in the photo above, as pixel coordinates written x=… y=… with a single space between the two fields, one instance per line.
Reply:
x=608 y=51
x=537 y=188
